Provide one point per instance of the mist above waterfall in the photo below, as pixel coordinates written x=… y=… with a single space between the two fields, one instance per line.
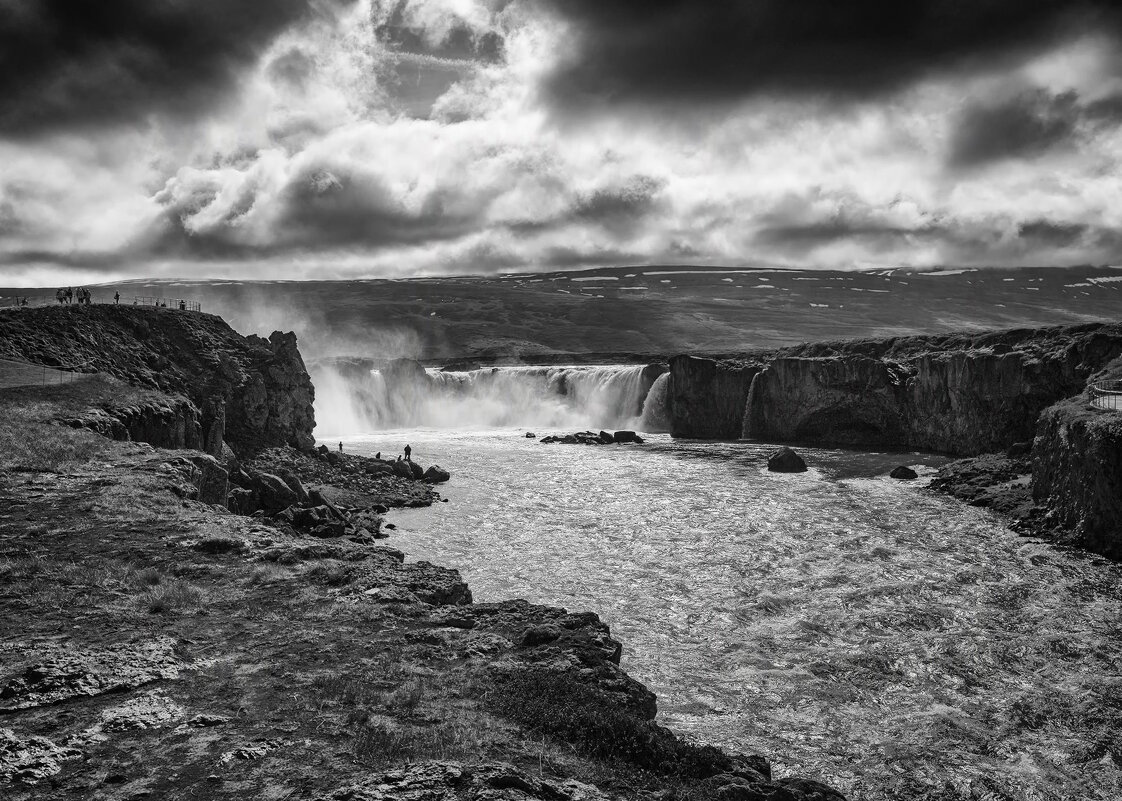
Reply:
x=406 y=395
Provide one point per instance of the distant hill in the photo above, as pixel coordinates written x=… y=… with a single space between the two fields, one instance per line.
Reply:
x=652 y=310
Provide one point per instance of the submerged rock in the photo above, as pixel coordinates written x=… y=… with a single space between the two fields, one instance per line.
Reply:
x=786 y=460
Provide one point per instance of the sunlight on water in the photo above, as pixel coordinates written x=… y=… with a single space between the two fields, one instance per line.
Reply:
x=893 y=643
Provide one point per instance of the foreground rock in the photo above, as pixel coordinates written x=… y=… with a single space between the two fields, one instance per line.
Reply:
x=786 y=460
x=903 y=473
x=992 y=481
x=354 y=480
x=450 y=781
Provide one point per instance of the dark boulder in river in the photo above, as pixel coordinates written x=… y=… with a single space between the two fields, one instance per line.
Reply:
x=627 y=436
x=904 y=473
x=786 y=460
x=436 y=475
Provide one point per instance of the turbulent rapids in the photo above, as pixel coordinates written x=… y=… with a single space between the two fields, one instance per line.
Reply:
x=892 y=642
x=406 y=395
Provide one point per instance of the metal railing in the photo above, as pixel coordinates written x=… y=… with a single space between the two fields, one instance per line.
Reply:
x=182 y=304
x=1107 y=395
x=168 y=303
x=15 y=373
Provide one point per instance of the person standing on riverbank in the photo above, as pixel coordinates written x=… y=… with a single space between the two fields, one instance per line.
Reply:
x=408 y=454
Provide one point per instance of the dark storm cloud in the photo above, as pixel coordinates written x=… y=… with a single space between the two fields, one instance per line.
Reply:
x=688 y=51
x=1027 y=126
x=69 y=63
x=318 y=208
x=801 y=239
x=1052 y=233
x=620 y=206
x=1022 y=127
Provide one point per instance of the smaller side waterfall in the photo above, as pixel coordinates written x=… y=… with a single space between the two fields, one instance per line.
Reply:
x=656 y=408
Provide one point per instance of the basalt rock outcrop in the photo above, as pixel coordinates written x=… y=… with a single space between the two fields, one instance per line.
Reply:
x=170 y=421
x=707 y=396
x=250 y=391
x=960 y=394
x=1077 y=473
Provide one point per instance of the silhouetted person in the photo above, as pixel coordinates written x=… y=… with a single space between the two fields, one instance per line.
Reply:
x=116 y=298
x=408 y=451
x=340 y=447
x=69 y=295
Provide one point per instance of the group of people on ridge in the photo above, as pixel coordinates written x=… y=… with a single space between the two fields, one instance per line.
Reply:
x=67 y=295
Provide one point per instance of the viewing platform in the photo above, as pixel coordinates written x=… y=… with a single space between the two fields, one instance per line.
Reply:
x=1107 y=395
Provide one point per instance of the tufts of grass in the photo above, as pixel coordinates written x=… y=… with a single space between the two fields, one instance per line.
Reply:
x=146 y=577
x=171 y=596
x=268 y=573
x=331 y=575
x=463 y=736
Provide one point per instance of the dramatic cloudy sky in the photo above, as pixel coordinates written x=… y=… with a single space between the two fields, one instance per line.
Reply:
x=340 y=138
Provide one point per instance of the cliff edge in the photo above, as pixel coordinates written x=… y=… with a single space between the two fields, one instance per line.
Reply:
x=252 y=392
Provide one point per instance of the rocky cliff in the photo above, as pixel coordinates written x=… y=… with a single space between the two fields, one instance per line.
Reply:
x=254 y=392
x=962 y=394
x=1077 y=471
x=707 y=397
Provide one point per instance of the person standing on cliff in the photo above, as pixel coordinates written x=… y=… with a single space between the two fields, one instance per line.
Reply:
x=116 y=298
x=340 y=447
x=408 y=454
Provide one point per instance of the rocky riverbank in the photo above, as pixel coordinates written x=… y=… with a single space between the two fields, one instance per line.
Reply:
x=159 y=645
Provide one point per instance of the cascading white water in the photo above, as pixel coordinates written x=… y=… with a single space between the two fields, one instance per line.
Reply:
x=558 y=397
x=656 y=408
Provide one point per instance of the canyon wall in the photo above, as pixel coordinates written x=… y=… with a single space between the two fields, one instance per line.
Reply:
x=962 y=394
x=254 y=392
x=707 y=397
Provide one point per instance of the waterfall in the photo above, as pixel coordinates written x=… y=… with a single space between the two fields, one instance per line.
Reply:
x=532 y=397
x=656 y=408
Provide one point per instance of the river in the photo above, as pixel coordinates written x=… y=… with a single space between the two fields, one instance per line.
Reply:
x=861 y=630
